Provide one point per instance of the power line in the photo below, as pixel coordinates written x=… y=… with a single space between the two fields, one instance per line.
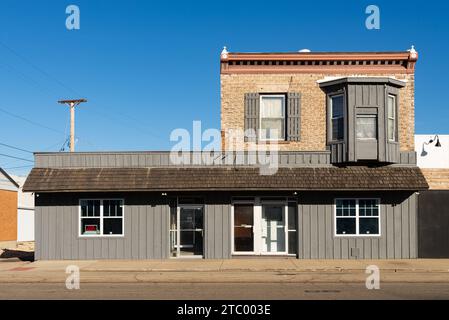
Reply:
x=62 y=84
x=12 y=147
x=12 y=157
x=30 y=121
x=19 y=167
x=38 y=69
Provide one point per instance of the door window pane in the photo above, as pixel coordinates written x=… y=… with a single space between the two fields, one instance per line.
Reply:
x=366 y=127
x=191 y=231
x=273 y=228
x=243 y=227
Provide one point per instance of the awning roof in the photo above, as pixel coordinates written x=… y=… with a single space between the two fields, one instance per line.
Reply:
x=223 y=178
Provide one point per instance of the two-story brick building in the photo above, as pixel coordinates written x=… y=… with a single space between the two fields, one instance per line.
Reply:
x=344 y=187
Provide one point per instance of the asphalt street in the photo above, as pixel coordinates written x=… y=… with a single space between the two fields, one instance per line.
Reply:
x=227 y=291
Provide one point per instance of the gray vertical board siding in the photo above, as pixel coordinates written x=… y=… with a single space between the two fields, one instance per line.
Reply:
x=146 y=223
x=158 y=159
x=217 y=225
x=38 y=231
x=398 y=238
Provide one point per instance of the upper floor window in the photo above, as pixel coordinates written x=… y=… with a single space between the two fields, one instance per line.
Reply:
x=272 y=117
x=337 y=117
x=100 y=217
x=391 y=120
x=366 y=126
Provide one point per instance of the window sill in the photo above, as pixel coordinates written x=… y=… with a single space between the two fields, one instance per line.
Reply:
x=357 y=235
x=101 y=236
x=274 y=142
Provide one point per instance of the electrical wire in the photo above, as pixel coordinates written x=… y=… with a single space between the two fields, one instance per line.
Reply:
x=16 y=148
x=13 y=157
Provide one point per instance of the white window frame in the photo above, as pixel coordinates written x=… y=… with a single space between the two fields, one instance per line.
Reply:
x=101 y=217
x=331 y=138
x=283 y=114
x=394 y=117
x=257 y=203
x=357 y=219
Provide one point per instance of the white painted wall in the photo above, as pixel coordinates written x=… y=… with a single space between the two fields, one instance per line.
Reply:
x=25 y=214
x=433 y=157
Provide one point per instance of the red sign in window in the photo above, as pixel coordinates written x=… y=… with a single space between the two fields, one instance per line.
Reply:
x=91 y=228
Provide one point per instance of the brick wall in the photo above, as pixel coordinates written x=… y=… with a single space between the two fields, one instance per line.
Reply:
x=8 y=215
x=438 y=179
x=313 y=105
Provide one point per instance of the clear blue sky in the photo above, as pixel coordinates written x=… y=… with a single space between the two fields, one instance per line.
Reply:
x=148 y=67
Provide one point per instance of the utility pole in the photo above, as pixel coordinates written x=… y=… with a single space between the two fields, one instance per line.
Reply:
x=72 y=104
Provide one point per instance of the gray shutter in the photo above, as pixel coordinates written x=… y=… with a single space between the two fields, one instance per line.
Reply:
x=293 y=116
x=251 y=114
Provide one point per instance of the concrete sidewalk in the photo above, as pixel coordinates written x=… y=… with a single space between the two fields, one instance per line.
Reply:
x=225 y=271
x=247 y=265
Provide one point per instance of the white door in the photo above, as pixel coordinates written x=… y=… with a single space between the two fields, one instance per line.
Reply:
x=273 y=234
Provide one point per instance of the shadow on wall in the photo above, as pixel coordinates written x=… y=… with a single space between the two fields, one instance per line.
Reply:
x=21 y=255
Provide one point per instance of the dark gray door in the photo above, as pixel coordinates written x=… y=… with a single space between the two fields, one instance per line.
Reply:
x=433 y=224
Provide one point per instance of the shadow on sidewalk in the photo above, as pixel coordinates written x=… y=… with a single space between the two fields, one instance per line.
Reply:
x=21 y=255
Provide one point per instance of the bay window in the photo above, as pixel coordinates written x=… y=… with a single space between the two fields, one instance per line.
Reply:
x=357 y=217
x=101 y=217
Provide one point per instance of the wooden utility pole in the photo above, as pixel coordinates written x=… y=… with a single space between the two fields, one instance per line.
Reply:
x=72 y=104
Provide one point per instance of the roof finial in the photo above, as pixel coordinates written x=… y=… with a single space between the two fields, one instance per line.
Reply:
x=224 y=53
x=413 y=52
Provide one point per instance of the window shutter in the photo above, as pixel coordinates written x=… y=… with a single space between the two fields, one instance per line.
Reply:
x=293 y=116
x=251 y=115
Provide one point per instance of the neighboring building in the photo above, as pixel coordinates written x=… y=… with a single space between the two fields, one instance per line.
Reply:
x=433 y=209
x=346 y=186
x=8 y=210
x=433 y=159
x=25 y=213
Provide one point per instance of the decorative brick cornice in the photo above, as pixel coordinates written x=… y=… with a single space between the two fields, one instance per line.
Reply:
x=320 y=62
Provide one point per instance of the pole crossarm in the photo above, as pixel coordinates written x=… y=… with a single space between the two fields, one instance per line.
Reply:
x=72 y=104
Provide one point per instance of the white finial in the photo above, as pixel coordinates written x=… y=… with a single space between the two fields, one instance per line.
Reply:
x=413 y=52
x=224 y=53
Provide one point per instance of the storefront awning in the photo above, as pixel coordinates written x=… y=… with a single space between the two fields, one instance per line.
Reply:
x=223 y=178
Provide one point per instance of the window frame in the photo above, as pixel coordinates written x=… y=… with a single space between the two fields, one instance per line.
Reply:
x=101 y=217
x=284 y=112
x=331 y=118
x=394 y=117
x=357 y=219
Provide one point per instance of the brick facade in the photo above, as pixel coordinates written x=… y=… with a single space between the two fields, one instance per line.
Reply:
x=313 y=104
